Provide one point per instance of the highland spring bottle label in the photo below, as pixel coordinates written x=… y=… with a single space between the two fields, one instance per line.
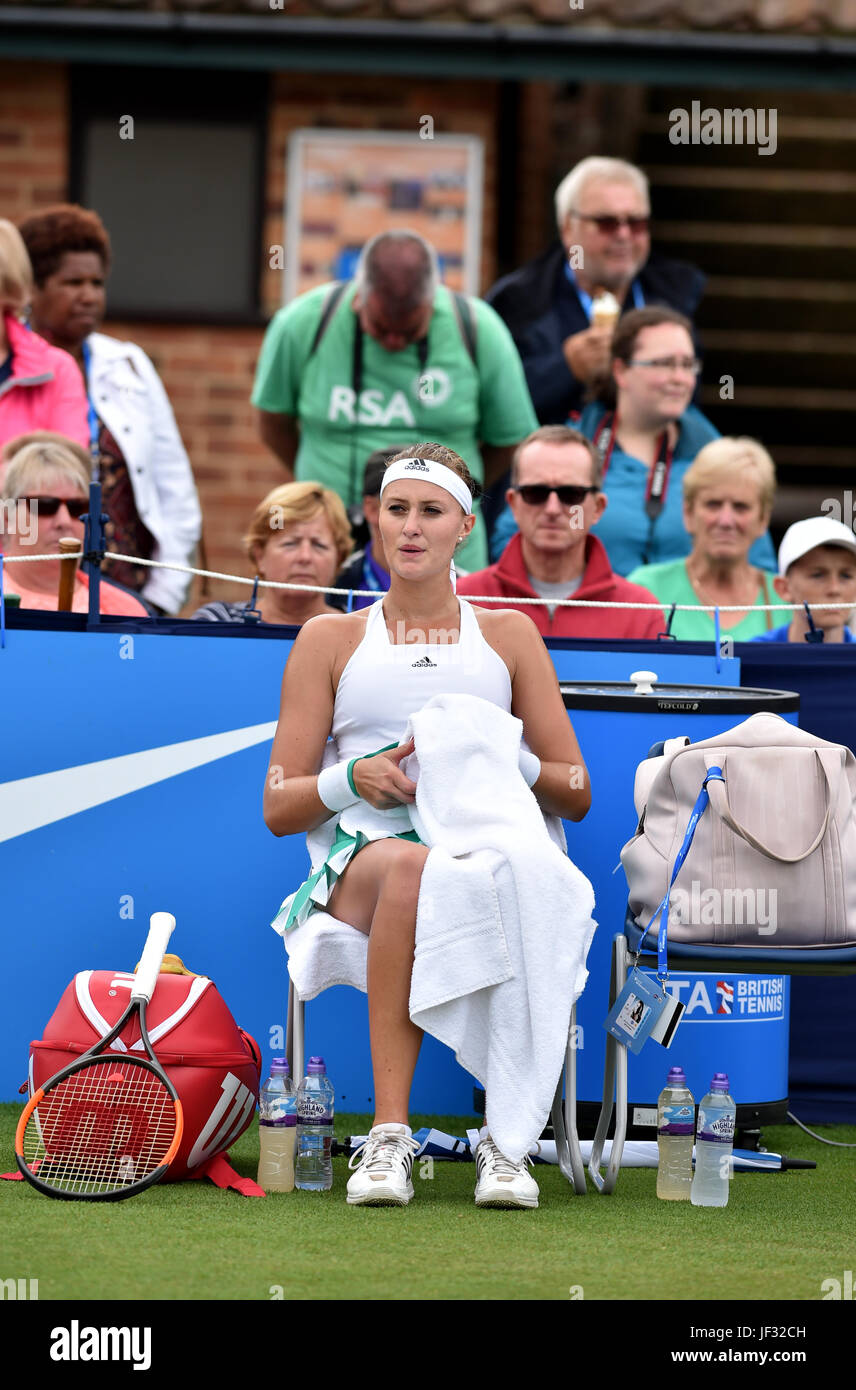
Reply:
x=716 y=1129
x=677 y=1119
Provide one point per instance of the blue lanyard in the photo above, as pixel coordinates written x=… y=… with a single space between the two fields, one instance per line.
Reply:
x=92 y=414
x=713 y=774
x=586 y=299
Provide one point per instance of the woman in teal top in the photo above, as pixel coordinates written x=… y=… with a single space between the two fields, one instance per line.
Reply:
x=647 y=433
x=727 y=500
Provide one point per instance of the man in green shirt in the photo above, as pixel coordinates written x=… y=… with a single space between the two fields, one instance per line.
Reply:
x=391 y=357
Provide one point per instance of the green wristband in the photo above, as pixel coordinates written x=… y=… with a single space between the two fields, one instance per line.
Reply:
x=359 y=759
x=351 y=776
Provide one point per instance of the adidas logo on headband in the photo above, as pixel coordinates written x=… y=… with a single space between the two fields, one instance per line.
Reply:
x=415 y=464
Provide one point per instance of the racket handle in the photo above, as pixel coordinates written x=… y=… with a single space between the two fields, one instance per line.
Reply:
x=161 y=928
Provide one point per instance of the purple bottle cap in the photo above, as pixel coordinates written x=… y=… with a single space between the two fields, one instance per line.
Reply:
x=720 y=1081
x=280 y=1066
x=316 y=1066
x=676 y=1077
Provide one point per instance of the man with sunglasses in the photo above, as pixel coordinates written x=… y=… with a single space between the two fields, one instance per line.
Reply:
x=603 y=217
x=556 y=498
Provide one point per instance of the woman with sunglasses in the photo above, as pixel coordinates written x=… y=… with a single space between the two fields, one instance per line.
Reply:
x=45 y=496
x=647 y=433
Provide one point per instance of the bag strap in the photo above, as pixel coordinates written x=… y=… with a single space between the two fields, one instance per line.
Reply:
x=463 y=313
x=719 y=801
x=650 y=767
x=714 y=775
x=327 y=312
x=466 y=323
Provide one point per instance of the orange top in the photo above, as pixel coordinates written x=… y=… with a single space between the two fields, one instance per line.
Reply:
x=112 y=600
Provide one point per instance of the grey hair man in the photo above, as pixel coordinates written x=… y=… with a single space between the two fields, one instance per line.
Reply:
x=390 y=356
x=561 y=307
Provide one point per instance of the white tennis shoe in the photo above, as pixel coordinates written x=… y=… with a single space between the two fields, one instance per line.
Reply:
x=500 y=1182
x=382 y=1176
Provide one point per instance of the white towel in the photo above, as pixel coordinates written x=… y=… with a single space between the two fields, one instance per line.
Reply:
x=504 y=920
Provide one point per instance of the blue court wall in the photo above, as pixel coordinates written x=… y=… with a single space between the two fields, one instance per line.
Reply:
x=132 y=769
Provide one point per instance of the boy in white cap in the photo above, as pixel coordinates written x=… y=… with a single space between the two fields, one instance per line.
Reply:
x=817 y=564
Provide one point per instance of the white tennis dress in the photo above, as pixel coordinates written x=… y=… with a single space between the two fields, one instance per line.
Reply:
x=383 y=684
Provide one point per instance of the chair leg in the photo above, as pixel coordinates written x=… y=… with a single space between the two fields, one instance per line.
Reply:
x=294 y=1034
x=565 y=1117
x=614 y=1080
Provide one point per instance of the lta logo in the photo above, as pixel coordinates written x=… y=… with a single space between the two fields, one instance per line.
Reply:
x=725 y=990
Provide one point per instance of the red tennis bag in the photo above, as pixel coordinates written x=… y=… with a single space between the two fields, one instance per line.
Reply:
x=214 y=1065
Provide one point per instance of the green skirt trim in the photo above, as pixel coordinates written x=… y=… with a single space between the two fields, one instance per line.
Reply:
x=314 y=894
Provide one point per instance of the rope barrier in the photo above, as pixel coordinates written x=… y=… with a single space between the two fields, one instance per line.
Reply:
x=504 y=599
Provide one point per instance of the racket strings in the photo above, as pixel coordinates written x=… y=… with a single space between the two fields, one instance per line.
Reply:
x=105 y=1127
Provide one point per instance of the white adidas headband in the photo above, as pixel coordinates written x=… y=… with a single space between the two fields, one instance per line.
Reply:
x=429 y=471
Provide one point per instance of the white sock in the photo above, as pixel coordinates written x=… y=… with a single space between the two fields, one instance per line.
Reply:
x=391 y=1127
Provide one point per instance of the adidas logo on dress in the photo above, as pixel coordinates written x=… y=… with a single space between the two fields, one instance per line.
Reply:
x=424 y=661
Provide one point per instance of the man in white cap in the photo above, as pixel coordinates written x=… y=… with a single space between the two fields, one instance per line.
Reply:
x=817 y=564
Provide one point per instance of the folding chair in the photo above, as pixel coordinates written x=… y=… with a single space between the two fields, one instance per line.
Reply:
x=756 y=960
x=564 y=1109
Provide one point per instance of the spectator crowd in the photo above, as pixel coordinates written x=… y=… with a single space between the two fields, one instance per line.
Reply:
x=570 y=392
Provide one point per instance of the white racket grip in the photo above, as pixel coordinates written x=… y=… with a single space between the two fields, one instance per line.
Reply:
x=161 y=928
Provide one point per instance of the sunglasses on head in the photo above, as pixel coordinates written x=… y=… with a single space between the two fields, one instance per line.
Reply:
x=536 y=494
x=49 y=506
x=609 y=224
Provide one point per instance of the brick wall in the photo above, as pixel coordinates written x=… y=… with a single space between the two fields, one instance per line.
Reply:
x=33 y=136
x=208 y=371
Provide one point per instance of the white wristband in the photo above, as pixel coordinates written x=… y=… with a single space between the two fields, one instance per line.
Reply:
x=334 y=789
x=530 y=767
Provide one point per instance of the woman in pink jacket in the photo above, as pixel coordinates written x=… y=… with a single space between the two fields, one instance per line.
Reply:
x=41 y=387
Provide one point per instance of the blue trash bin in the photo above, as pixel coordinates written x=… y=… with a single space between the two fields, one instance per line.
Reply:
x=733 y=1023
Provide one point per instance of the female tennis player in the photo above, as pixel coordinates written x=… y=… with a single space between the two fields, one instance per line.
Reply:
x=340 y=679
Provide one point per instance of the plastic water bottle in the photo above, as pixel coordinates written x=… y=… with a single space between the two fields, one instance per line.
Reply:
x=675 y=1128
x=313 y=1170
x=714 y=1142
x=277 y=1129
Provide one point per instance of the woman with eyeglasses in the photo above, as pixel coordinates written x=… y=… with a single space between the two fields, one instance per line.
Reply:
x=647 y=433
x=45 y=496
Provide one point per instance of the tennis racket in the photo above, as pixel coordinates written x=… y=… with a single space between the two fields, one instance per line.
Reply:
x=106 y=1127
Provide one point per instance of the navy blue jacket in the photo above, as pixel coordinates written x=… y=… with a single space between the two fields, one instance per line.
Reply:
x=541 y=309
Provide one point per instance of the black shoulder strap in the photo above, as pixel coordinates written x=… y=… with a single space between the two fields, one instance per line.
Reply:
x=466 y=323
x=327 y=313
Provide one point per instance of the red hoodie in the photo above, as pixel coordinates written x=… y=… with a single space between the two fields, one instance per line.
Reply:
x=508 y=578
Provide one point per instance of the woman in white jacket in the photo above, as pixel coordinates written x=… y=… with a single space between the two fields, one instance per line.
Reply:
x=147 y=483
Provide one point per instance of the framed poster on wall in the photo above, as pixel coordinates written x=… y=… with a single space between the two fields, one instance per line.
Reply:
x=344 y=186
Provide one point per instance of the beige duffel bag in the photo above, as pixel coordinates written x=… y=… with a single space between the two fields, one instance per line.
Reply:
x=772 y=861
